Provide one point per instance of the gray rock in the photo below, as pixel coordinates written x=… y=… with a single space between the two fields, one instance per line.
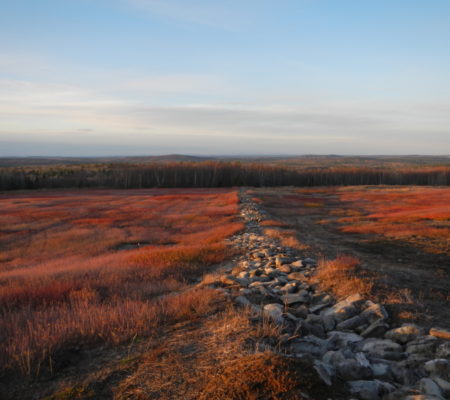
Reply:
x=403 y=334
x=242 y=300
x=339 y=340
x=309 y=344
x=379 y=347
x=351 y=370
x=438 y=367
x=300 y=311
x=329 y=323
x=429 y=387
x=376 y=329
x=374 y=312
x=318 y=308
x=382 y=371
x=365 y=390
x=334 y=357
x=351 y=323
x=274 y=311
x=443 y=351
x=345 y=309
x=408 y=371
x=325 y=371
x=293 y=298
x=423 y=345
x=321 y=298
x=444 y=385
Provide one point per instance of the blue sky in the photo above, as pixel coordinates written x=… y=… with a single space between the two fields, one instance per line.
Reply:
x=117 y=77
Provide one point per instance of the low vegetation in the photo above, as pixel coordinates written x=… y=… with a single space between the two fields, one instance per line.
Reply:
x=85 y=267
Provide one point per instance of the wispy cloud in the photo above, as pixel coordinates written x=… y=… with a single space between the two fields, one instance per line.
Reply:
x=75 y=115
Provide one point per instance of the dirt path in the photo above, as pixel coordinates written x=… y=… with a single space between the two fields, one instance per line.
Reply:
x=413 y=282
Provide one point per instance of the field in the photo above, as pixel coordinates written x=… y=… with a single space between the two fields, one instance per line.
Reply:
x=119 y=294
x=85 y=268
x=397 y=238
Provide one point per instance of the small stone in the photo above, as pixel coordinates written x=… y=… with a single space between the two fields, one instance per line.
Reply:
x=300 y=297
x=339 y=340
x=318 y=307
x=285 y=268
x=351 y=323
x=440 y=333
x=403 y=334
x=274 y=311
x=443 y=351
x=382 y=371
x=334 y=357
x=365 y=390
x=309 y=344
x=374 y=312
x=325 y=371
x=280 y=260
x=423 y=345
x=242 y=300
x=300 y=311
x=296 y=276
x=376 y=330
x=379 y=347
x=329 y=322
x=297 y=264
x=351 y=370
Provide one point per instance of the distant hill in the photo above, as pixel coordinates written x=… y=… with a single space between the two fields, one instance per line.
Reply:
x=42 y=161
x=294 y=161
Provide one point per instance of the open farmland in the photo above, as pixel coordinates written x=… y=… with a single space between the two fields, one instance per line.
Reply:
x=86 y=267
x=397 y=239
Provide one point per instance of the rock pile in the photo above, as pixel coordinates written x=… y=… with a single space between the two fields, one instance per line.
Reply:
x=350 y=340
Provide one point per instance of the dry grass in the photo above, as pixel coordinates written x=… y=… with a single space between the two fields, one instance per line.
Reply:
x=287 y=237
x=342 y=277
x=217 y=360
x=64 y=281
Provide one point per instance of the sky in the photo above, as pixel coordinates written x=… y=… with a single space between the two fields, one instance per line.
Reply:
x=224 y=77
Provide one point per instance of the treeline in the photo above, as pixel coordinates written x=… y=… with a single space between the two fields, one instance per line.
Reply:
x=210 y=174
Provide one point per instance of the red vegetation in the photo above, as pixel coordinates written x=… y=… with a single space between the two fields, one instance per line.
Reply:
x=415 y=213
x=86 y=266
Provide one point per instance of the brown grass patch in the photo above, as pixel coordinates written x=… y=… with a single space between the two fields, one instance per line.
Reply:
x=287 y=237
x=342 y=277
x=261 y=376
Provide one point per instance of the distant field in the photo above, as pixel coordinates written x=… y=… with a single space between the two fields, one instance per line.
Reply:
x=398 y=238
x=414 y=215
x=81 y=267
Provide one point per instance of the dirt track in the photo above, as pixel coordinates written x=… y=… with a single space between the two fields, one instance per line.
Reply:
x=414 y=284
